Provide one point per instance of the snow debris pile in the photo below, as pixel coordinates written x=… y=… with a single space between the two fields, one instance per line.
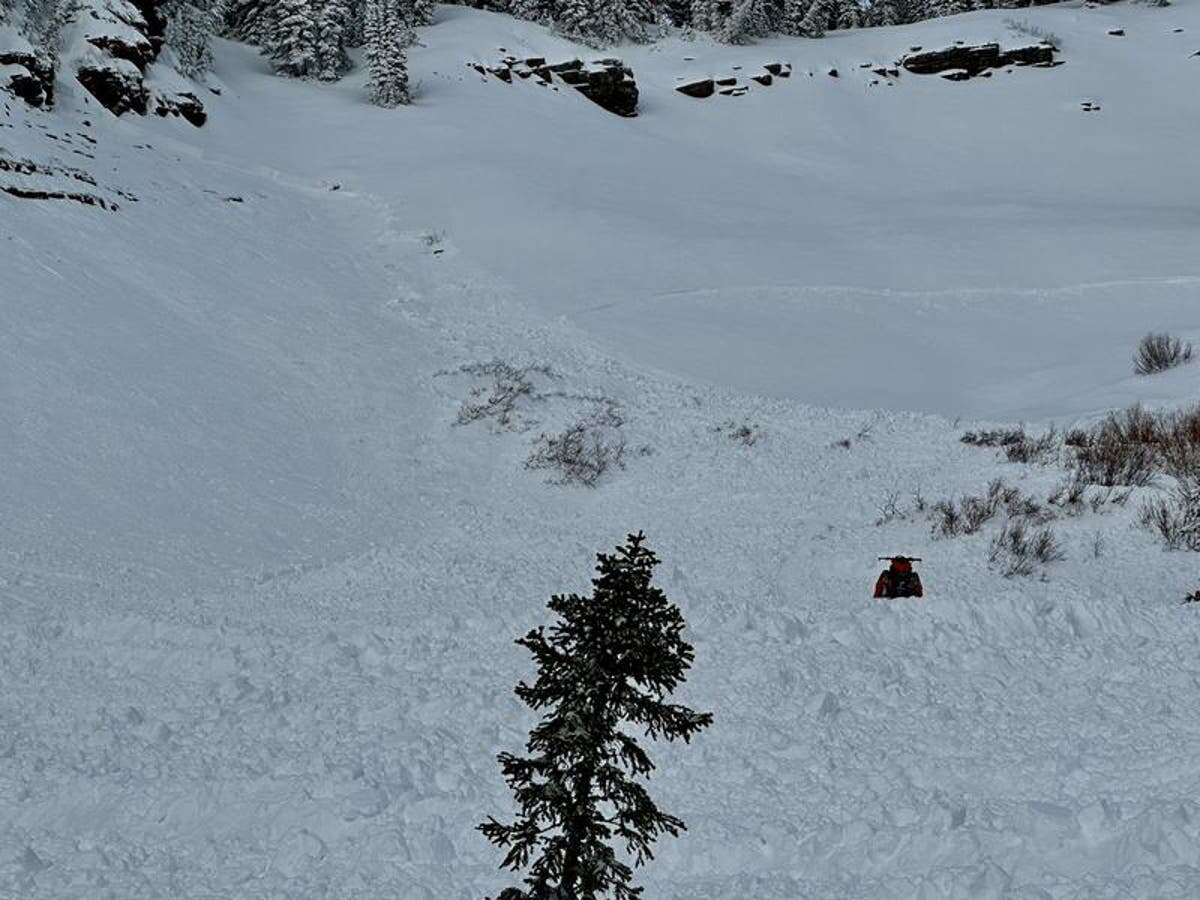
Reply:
x=608 y=83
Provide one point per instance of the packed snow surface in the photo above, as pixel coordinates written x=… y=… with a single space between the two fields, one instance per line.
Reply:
x=258 y=586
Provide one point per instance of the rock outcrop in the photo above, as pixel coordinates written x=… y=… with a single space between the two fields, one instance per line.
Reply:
x=608 y=83
x=964 y=62
x=112 y=46
x=24 y=71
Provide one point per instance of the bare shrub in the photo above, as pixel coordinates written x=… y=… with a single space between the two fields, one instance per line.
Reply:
x=1033 y=450
x=1070 y=494
x=499 y=398
x=947 y=520
x=1176 y=518
x=745 y=433
x=1017 y=550
x=1017 y=445
x=1121 y=450
x=1159 y=352
x=972 y=512
x=585 y=451
x=889 y=510
x=1076 y=437
x=1025 y=27
x=1131 y=446
x=998 y=438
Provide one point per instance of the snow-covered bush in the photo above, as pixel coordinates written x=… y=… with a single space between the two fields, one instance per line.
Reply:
x=1159 y=352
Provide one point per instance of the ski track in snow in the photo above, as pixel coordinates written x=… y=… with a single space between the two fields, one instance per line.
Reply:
x=259 y=592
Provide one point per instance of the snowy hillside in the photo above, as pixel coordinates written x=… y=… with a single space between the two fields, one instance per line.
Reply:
x=260 y=577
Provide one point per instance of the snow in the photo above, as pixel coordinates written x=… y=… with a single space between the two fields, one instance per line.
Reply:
x=258 y=590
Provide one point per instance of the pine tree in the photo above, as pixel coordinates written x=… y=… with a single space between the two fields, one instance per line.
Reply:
x=292 y=42
x=598 y=23
x=190 y=26
x=678 y=12
x=332 y=21
x=387 y=33
x=885 y=13
x=817 y=19
x=422 y=12
x=531 y=10
x=610 y=659
x=795 y=13
x=849 y=14
x=251 y=21
x=748 y=20
x=706 y=15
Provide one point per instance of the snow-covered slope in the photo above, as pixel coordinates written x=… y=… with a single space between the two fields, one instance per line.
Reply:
x=258 y=589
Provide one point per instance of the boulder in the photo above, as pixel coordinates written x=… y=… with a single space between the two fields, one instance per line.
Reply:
x=611 y=86
x=705 y=87
x=1117 y=32
x=833 y=73
x=181 y=103
x=765 y=79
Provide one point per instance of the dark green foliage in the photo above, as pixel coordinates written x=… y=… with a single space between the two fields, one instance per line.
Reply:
x=609 y=660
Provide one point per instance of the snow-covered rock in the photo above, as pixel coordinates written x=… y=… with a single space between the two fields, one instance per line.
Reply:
x=116 y=83
x=25 y=71
x=972 y=60
x=112 y=47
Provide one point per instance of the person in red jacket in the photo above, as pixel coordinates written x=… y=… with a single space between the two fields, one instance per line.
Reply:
x=899 y=579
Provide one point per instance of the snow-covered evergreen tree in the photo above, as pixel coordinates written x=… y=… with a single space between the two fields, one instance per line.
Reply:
x=598 y=23
x=292 y=42
x=190 y=27
x=817 y=19
x=333 y=18
x=848 y=14
x=250 y=20
x=748 y=20
x=422 y=12
x=794 y=15
x=387 y=34
x=706 y=15
x=938 y=8
x=611 y=660
x=531 y=10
